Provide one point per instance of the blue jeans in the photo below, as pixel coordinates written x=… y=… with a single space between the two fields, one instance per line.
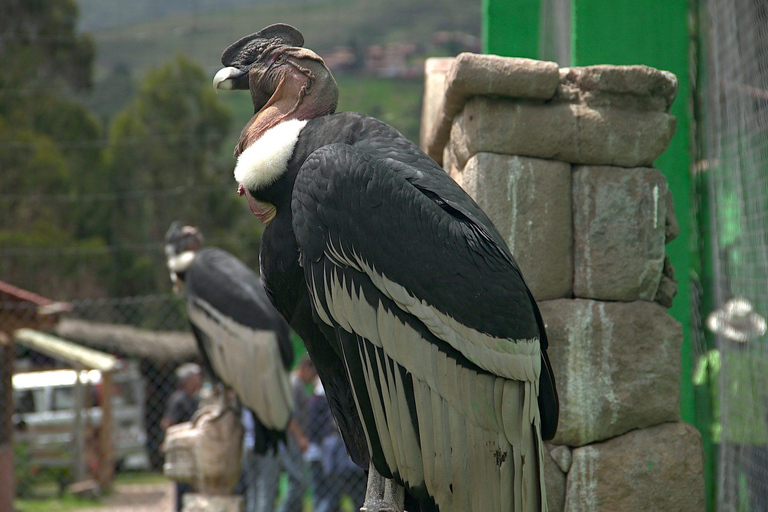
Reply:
x=327 y=491
x=262 y=479
x=292 y=462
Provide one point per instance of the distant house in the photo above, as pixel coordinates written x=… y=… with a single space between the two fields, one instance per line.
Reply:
x=159 y=353
x=18 y=309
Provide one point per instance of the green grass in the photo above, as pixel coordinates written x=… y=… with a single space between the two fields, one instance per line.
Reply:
x=56 y=504
x=46 y=491
x=394 y=101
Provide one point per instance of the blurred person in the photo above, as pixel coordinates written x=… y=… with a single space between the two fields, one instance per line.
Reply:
x=262 y=472
x=251 y=486
x=181 y=406
x=291 y=454
x=333 y=472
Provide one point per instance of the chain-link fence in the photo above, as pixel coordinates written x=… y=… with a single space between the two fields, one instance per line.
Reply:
x=109 y=131
x=731 y=111
x=149 y=336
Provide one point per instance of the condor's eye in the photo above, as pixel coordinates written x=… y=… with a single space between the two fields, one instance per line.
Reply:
x=280 y=58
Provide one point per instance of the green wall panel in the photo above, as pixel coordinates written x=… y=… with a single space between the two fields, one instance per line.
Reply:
x=650 y=32
x=511 y=28
x=654 y=33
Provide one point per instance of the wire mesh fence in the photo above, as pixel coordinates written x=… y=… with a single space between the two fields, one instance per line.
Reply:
x=149 y=335
x=109 y=131
x=732 y=146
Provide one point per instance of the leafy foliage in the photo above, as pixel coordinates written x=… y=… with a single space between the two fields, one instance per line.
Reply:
x=45 y=136
x=166 y=139
x=83 y=210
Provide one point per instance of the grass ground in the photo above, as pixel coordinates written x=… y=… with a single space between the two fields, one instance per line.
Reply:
x=55 y=504
x=46 y=498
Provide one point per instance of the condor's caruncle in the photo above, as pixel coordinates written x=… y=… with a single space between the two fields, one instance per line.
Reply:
x=243 y=341
x=429 y=344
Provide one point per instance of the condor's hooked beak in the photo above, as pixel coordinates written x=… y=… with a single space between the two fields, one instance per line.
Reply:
x=274 y=69
x=228 y=78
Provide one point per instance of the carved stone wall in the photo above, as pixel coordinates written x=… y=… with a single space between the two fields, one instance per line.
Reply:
x=561 y=159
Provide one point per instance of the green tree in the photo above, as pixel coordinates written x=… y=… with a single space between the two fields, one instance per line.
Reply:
x=46 y=139
x=165 y=142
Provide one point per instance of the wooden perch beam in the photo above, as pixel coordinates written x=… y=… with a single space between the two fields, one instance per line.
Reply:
x=81 y=358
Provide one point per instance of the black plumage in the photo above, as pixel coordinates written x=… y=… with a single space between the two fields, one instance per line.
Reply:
x=428 y=342
x=243 y=340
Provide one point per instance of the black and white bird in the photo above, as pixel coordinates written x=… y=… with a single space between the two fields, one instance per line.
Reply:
x=243 y=340
x=430 y=347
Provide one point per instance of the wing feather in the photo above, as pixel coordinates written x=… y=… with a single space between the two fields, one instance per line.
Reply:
x=447 y=405
x=247 y=360
x=245 y=340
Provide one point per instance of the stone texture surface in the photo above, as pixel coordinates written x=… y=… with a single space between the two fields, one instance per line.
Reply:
x=569 y=132
x=617 y=366
x=668 y=285
x=209 y=503
x=625 y=87
x=562 y=455
x=655 y=469
x=672 y=228
x=619 y=226
x=206 y=452
x=554 y=480
x=473 y=74
x=450 y=164
x=435 y=71
x=529 y=201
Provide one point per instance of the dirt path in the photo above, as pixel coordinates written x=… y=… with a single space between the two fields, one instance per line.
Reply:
x=138 y=498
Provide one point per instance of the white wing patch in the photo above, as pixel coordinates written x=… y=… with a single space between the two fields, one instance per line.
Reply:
x=264 y=161
x=474 y=428
x=514 y=359
x=248 y=361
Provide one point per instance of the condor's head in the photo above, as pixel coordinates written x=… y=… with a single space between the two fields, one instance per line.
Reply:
x=286 y=81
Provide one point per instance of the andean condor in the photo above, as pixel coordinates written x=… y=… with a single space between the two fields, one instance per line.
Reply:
x=428 y=342
x=243 y=341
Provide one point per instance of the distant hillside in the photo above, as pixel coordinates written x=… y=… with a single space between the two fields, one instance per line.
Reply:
x=99 y=14
x=132 y=37
x=150 y=32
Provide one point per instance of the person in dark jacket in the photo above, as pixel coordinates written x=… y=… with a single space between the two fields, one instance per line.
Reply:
x=182 y=404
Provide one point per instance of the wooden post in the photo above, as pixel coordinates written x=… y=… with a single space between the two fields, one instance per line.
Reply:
x=82 y=357
x=77 y=431
x=106 y=445
x=6 y=423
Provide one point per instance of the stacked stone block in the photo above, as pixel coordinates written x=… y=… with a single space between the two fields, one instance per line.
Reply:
x=561 y=161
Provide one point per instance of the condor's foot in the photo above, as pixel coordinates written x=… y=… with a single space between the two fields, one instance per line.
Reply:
x=382 y=494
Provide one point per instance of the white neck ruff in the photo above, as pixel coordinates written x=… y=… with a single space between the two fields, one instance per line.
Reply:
x=264 y=161
x=181 y=262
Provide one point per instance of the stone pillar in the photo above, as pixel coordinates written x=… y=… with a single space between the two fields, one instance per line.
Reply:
x=562 y=162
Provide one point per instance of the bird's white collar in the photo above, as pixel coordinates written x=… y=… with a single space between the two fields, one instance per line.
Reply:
x=181 y=262
x=264 y=161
